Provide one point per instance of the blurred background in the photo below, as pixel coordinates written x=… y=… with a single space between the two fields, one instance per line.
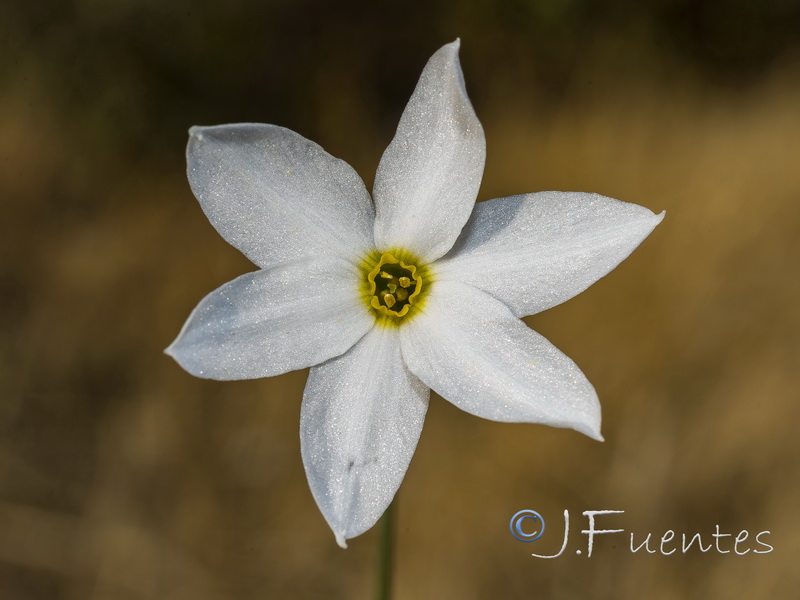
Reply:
x=122 y=477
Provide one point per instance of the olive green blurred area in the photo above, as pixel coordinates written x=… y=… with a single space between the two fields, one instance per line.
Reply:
x=122 y=477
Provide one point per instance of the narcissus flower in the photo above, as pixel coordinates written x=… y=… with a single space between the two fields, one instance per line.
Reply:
x=385 y=298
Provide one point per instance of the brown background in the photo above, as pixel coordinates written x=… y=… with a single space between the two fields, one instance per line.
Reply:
x=122 y=477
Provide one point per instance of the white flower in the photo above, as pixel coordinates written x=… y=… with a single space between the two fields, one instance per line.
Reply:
x=421 y=289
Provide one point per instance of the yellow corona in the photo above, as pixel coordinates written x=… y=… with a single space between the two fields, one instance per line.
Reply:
x=394 y=285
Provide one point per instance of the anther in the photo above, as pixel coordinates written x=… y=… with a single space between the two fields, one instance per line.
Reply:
x=394 y=286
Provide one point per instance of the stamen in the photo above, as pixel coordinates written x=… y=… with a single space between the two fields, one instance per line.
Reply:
x=394 y=285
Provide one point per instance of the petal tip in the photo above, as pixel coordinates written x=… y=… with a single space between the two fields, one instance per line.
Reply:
x=196 y=139
x=652 y=221
x=451 y=50
x=175 y=354
x=196 y=131
x=341 y=540
x=589 y=422
x=172 y=350
x=591 y=432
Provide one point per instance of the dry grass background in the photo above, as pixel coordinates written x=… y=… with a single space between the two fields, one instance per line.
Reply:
x=122 y=477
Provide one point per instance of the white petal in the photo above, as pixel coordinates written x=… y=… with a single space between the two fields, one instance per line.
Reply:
x=277 y=196
x=472 y=351
x=538 y=250
x=361 y=418
x=273 y=321
x=428 y=178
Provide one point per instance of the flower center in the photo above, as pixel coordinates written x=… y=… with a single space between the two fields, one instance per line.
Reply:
x=395 y=284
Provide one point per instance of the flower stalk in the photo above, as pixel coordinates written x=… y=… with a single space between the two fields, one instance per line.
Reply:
x=386 y=554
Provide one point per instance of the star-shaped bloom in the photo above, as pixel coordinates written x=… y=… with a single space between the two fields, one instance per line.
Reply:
x=385 y=298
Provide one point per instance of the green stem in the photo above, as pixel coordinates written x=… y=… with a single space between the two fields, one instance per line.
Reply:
x=385 y=554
